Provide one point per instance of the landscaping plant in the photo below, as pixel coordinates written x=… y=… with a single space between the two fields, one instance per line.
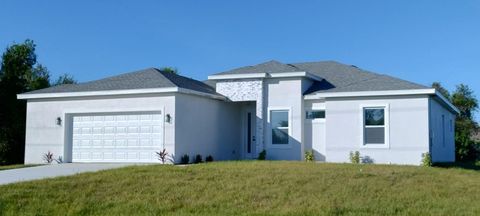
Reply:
x=262 y=155
x=426 y=160
x=355 y=157
x=209 y=158
x=309 y=156
x=162 y=155
x=48 y=157
x=185 y=159
x=198 y=159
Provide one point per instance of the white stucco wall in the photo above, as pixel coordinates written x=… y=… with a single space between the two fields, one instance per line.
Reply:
x=442 y=136
x=408 y=129
x=314 y=131
x=207 y=127
x=285 y=94
x=43 y=134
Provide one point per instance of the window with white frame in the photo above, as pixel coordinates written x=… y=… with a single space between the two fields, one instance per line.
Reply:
x=374 y=129
x=280 y=126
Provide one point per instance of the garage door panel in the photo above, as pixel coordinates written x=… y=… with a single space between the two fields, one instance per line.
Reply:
x=117 y=138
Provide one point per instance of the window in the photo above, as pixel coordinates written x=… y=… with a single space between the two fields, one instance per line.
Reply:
x=280 y=127
x=374 y=126
x=315 y=114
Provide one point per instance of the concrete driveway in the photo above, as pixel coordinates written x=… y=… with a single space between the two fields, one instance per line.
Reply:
x=55 y=170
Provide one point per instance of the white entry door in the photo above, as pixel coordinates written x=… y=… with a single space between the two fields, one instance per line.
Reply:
x=130 y=137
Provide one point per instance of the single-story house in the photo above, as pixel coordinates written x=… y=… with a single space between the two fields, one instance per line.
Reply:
x=284 y=109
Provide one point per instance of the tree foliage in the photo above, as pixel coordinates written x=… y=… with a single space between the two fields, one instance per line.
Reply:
x=438 y=86
x=169 y=69
x=65 y=79
x=16 y=73
x=465 y=126
x=19 y=73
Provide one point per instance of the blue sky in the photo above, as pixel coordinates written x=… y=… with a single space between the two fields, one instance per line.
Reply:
x=421 y=41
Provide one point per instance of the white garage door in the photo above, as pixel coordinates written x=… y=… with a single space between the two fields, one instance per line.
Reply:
x=133 y=137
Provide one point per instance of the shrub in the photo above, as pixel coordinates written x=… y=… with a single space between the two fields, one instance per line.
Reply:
x=426 y=160
x=48 y=157
x=162 y=155
x=355 y=157
x=209 y=158
x=59 y=160
x=262 y=155
x=309 y=156
x=198 y=159
x=185 y=159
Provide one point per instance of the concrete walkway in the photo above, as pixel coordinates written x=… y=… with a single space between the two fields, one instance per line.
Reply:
x=55 y=170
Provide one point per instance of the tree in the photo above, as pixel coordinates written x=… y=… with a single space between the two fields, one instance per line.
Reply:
x=65 y=79
x=438 y=86
x=16 y=73
x=19 y=72
x=464 y=99
x=169 y=69
x=39 y=78
x=465 y=125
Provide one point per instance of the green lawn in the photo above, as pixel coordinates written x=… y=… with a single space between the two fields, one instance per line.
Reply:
x=251 y=188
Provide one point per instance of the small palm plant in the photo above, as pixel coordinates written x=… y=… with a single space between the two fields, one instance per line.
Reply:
x=162 y=155
x=48 y=157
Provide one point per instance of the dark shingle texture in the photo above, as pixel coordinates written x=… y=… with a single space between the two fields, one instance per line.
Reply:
x=346 y=78
x=142 y=79
x=267 y=67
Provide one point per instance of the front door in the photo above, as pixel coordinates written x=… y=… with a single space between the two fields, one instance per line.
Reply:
x=250 y=132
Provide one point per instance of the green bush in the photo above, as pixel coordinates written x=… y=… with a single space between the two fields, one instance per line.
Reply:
x=355 y=157
x=198 y=159
x=426 y=160
x=262 y=155
x=209 y=158
x=185 y=159
x=309 y=156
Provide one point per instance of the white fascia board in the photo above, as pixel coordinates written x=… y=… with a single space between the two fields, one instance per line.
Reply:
x=370 y=93
x=237 y=76
x=117 y=92
x=447 y=102
x=296 y=74
x=97 y=93
x=265 y=75
x=188 y=91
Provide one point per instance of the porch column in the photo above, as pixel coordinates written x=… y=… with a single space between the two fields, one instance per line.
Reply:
x=261 y=119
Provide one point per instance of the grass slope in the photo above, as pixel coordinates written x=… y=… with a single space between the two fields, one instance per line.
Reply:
x=251 y=188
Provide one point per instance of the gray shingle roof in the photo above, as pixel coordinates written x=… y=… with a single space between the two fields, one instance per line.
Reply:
x=142 y=79
x=337 y=77
x=266 y=67
x=347 y=78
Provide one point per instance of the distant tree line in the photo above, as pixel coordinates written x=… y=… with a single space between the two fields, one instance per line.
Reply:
x=466 y=148
x=19 y=72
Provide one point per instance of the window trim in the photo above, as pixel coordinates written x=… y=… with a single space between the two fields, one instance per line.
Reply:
x=386 y=123
x=269 y=127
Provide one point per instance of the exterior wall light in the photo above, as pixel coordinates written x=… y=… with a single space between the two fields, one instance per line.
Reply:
x=168 y=118
x=59 y=121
